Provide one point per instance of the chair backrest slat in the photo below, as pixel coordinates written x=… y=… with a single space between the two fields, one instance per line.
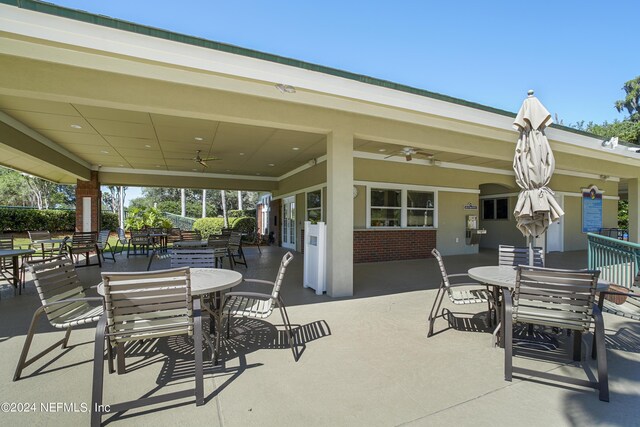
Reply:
x=553 y=297
x=190 y=257
x=286 y=259
x=190 y=235
x=6 y=242
x=443 y=270
x=148 y=305
x=56 y=279
x=103 y=237
x=513 y=255
x=39 y=235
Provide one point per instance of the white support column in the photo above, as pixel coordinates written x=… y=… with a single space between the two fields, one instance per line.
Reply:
x=634 y=210
x=340 y=213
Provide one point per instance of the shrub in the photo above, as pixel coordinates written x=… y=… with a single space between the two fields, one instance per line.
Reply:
x=109 y=221
x=139 y=218
x=245 y=224
x=209 y=226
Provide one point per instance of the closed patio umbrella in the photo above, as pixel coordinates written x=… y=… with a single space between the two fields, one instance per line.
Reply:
x=533 y=165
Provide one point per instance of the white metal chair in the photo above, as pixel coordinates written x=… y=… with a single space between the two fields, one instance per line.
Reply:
x=63 y=301
x=563 y=299
x=261 y=305
x=141 y=306
x=467 y=292
x=514 y=255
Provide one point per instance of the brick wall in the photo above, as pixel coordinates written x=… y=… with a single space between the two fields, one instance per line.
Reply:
x=391 y=245
x=91 y=189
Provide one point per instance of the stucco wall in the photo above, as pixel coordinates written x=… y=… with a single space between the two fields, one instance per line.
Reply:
x=452 y=222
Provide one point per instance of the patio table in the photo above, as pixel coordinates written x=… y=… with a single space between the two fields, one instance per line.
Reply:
x=501 y=277
x=190 y=243
x=15 y=254
x=208 y=283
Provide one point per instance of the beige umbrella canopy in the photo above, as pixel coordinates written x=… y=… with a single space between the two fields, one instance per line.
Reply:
x=533 y=164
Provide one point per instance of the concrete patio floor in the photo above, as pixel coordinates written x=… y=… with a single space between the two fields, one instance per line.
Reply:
x=365 y=361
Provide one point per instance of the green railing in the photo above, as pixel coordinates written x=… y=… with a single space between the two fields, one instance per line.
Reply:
x=182 y=222
x=617 y=260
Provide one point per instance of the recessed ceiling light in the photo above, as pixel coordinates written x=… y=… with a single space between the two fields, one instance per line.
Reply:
x=271 y=164
x=228 y=170
x=121 y=166
x=76 y=126
x=104 y=151
x=199 y=138
x=257 y=173
x=382 y=150
x=157 y=166
x=295 y=148
x=147 y=145
x=195 y=170
x=242 y=154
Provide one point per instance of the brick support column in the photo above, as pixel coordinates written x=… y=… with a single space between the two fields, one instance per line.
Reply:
x=89 y=189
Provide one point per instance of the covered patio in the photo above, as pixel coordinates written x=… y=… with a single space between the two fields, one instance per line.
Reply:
x=365 y=361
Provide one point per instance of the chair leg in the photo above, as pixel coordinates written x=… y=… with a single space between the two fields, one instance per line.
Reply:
x=23 y=362
x=110 y=356
x=508 y=337
x=603 y=373
x=435 y=308
x=66 y=338
x=120 y=358
x=98 y=372
x=287 y=324
x=197 y=349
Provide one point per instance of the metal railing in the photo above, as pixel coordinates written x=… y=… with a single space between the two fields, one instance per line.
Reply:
x=617 y=260
x=182 y=222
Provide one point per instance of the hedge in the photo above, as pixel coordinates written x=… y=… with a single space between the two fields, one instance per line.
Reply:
x=23 y=220
x=209 y=226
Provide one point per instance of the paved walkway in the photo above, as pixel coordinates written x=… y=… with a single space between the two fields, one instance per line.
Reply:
x=365 y=361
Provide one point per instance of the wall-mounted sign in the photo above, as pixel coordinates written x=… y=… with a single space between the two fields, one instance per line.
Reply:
x=591 y=210
x=470 y=207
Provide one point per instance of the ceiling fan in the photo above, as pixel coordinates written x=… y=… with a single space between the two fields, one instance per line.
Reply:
x=409 y=152
x=201 y=160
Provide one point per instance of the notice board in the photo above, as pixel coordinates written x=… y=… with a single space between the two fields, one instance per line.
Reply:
x=591 y=210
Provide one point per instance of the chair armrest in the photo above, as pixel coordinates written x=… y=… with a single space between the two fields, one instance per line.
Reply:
x=262 y=282
x=67 y=301
x=507 y=300
x=248 y=294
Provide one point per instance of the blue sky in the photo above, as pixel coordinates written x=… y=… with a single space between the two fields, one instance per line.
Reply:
x=576 y=55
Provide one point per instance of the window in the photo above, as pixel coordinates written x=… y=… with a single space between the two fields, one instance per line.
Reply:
x=386 y=207
x=314 y=206
x=495 y=208
x=420 y=207
x=401 y=208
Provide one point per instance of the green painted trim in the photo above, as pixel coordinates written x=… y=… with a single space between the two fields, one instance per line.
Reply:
x=105 y=21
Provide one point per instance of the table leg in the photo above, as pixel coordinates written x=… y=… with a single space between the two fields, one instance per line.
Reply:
x=16 y=274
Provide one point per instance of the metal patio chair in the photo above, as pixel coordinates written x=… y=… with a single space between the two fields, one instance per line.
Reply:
x=140 y=240
x=514 y=255
x=466 y=292
x=141 y=306
x=103 y=244
x=63 y=301
x=562 y=299
x=83 y=243
x=121 y=242
x=261 y=305
x=235 y=252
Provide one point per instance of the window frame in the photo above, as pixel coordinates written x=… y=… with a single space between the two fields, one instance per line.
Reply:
x=306 y=204
x=404 y=189
x=494 y=201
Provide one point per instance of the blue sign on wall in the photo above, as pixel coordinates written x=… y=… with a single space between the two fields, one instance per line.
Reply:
x=591 y=210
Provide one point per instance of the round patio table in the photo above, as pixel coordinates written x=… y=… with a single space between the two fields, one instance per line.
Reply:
x=15 y=254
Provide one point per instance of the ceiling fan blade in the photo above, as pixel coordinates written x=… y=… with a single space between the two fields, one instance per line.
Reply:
x=207 y=159
x=203 y=163
x=390 y=155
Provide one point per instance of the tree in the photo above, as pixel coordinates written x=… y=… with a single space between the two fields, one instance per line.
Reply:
x=631 y=102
